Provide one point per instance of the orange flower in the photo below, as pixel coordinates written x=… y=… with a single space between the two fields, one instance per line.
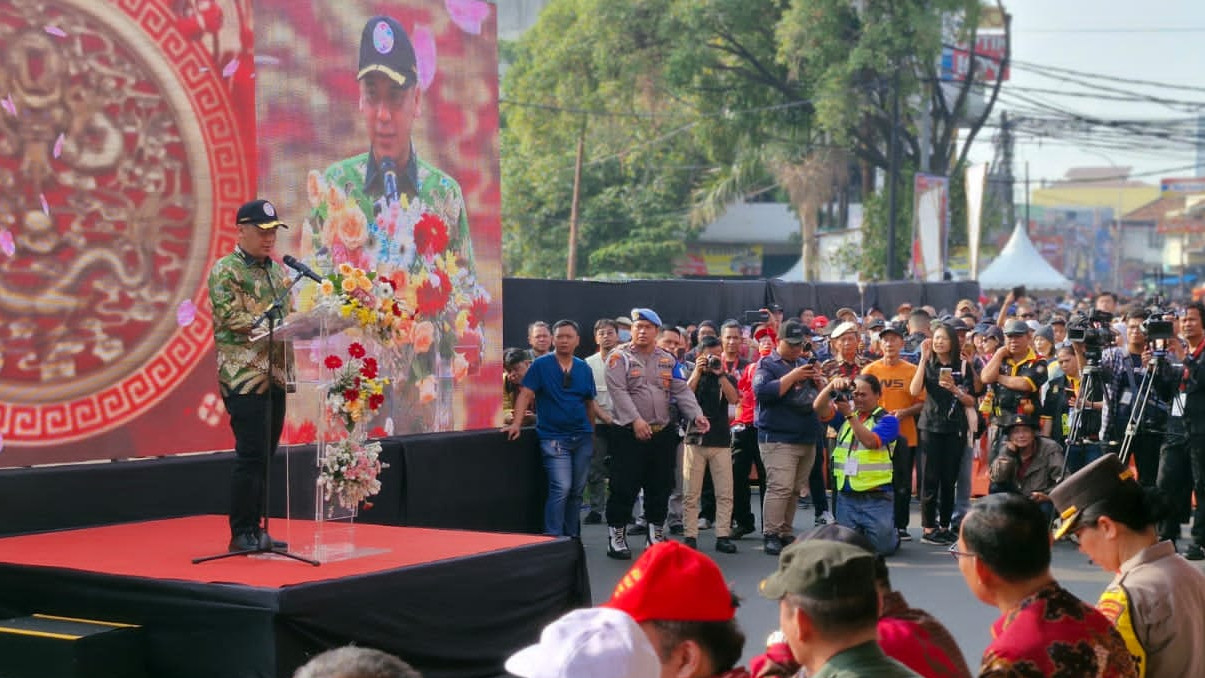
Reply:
x=426 y=390
x=460 y=366
x=328 y=287
x=349 y=285
x=346 y=268
x=350 y=226
x=423 y=336
x=364 y=283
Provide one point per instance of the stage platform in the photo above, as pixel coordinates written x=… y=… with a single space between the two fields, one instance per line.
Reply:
x=452 y=603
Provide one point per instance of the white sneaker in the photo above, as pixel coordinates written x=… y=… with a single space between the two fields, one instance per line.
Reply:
x=704 y=524
x=826 y=518
x=655 y=535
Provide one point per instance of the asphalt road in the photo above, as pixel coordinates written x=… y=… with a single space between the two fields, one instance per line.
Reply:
x=927 y=575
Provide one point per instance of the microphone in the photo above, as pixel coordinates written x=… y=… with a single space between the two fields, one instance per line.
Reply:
x=301 y=268
x=389 y=171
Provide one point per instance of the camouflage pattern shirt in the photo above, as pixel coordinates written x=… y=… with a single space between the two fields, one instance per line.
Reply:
x=241 y=289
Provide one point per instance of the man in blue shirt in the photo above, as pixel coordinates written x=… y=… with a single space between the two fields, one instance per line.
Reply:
x=563 y=388
x=785 y=385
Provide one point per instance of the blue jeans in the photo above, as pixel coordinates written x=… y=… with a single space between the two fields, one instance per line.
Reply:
x=872 y=514
x=567 y=463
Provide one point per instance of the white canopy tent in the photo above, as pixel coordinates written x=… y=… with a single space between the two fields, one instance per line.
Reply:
x=1020 y=263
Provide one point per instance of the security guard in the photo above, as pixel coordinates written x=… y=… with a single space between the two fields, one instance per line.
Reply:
x=1157 y=599
x=641 y=379
x=390 y=172
x=242 y=286
x=862 y=465
x=1015 y=375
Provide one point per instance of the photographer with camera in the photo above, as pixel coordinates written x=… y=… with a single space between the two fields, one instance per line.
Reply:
x=1193 y=399
x=862 y=458
x=714 y=389
x=788 y=431
x=745 y=453
x=1061 y=404
x=1015 y=375
x=950 y=385
x=1124 y=370
x=1028 y=463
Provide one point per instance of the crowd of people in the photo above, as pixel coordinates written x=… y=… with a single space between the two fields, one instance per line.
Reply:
x=1057 y=399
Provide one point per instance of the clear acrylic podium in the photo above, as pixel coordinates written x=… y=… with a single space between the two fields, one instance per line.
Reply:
x=316 y=335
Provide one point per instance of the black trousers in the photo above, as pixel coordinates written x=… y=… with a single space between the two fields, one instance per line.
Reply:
x=901 y=482
x=252 y=448
x=636 y=464
x=1145 y=451
x=1175 y=482
x=1196 y=457
x=745 y=455
x=817 y=479
x=943 y=461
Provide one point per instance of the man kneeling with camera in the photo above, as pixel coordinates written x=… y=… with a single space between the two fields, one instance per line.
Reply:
x=862 y=457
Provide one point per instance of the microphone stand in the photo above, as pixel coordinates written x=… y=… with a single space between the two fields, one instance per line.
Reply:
x=265 y=542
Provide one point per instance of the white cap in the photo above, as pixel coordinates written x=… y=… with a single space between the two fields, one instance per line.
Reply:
x=842 y=329
x=595 y=642
x=1034 y=325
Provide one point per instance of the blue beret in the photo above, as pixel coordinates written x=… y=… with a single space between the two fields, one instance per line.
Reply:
x=646 y=314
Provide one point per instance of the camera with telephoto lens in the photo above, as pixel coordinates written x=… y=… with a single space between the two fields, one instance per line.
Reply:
x=1092 y=331
x=714 y=363
x=843 y=395
x=1156 y=328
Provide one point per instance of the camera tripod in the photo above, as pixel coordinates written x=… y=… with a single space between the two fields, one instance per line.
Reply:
x=1138 y=410
x=1075 y=435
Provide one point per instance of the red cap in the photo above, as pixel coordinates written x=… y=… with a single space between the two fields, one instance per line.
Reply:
x=765 y=330
x=673 y=582
x=819 y=322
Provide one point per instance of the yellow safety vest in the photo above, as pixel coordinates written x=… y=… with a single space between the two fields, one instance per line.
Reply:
x=874 y=466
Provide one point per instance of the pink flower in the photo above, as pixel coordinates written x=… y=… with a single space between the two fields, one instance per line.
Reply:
x=426 y=390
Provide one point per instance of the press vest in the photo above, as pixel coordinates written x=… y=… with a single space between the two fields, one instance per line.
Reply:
x=874 y=466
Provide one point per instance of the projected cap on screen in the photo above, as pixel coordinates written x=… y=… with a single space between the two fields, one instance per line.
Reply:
x=385 y=48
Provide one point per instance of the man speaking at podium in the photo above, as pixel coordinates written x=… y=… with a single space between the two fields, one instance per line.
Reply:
x=242 y=286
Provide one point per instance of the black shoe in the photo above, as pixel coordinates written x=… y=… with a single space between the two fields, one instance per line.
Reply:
x=787 y=539
x=742 y=530
x=276 y=543
x=676 y=530
x=691 y=542
x=593 y=518
x=933 y=537
x=903 y=534
x=772 y=545
x=724 y=545
x=244 y=541
x=1194 y=552
x=637 y=529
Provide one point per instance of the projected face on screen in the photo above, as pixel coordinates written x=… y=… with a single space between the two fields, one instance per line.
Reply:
x=389 y=111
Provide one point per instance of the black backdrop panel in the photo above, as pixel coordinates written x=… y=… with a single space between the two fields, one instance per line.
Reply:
x=473 y=480
x=684 y=301
x=888 y=296
x=945 y=296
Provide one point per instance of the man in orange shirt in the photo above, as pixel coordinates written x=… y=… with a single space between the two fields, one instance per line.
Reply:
x=895 y=373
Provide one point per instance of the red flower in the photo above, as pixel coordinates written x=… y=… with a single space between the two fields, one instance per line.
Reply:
x=432 y=298
x=477 y=310
x=430 y=234
x=397 y=309
x=351 y=394
x=375 y=401
x=369 y=370
x=356 y=350
x=333 y=362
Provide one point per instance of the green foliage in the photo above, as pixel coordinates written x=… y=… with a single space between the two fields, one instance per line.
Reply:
x=874 y=231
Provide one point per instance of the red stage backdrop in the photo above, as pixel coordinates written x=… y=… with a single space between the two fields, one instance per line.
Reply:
x=128 y=140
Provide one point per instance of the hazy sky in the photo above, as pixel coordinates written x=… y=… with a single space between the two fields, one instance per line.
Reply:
x=1155 y=40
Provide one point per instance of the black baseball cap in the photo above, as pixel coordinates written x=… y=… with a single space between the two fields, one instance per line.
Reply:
x=385 y=48
x=793 y=332
x=261 y=213
x=895 y=327
x=1015 y=328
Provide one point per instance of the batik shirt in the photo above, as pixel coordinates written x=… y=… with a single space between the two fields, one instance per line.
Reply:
x=241 y=289
x=1053 y=633
x=422 y=188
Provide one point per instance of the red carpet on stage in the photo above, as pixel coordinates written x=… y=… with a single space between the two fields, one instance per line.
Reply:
x=164 y=549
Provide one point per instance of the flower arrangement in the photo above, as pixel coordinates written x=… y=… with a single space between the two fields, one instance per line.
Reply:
x=349 y=472
x=357 y=390
x=368 y=298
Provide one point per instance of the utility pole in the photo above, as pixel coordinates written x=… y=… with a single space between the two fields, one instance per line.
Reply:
x=893 y=178
x=571 y=267
x=1006 y=145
